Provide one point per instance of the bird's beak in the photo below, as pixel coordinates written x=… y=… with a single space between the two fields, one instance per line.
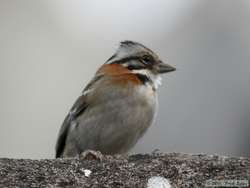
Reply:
x=164 y=68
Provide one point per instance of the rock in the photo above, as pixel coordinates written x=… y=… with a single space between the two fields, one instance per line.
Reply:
x=180 y=170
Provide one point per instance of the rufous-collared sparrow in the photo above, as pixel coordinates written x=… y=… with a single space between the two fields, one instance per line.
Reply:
x=117 y=106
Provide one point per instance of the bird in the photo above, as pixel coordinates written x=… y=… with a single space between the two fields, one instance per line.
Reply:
x=117 y=106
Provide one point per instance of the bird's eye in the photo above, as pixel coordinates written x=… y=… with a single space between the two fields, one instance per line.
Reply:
x=146 y=58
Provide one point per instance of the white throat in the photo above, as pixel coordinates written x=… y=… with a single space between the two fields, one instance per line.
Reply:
x=156 y=79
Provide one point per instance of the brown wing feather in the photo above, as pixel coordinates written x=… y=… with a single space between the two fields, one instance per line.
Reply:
x=77 y=109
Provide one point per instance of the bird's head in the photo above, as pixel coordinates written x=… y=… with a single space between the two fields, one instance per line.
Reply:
x=140 y=60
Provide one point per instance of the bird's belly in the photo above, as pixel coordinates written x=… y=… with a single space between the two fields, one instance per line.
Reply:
x=116 y=125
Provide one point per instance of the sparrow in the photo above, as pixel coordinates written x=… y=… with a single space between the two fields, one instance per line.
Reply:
x=117 y=106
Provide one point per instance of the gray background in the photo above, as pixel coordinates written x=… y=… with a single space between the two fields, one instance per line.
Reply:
x=49 y=50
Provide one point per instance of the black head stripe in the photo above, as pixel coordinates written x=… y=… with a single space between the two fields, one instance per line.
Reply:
x=132 y=63
x=125 y=60
x=131 y=43
x=143 y=78
x=112 y=57
x=135 y=66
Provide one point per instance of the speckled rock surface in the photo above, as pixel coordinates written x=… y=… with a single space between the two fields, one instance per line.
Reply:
x=182 y=170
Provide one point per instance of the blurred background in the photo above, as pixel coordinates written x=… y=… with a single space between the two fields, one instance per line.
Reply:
x=49 y=50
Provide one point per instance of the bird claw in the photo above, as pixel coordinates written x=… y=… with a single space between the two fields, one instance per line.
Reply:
x=91 y=155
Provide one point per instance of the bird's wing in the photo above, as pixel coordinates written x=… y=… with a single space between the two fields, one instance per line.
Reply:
x=77 y=109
